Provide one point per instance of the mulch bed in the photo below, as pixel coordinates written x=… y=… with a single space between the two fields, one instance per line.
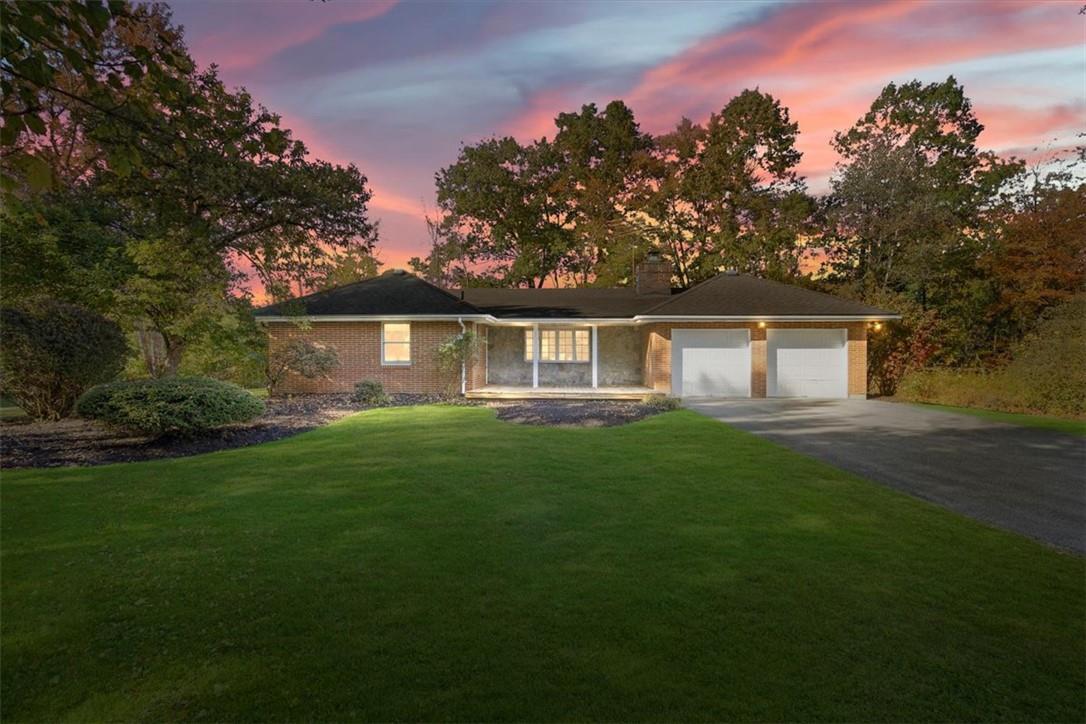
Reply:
x=86 y=442
x=574 y=413
x=76 y=442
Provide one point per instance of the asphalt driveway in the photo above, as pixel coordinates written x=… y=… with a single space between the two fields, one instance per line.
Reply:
x=1022 y=479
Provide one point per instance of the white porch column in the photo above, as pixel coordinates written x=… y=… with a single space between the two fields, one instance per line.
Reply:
x=463 y=362
x=595 y=356
x=535 y=355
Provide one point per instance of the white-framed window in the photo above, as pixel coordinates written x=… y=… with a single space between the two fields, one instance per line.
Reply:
x=548 y=346
x=396 y=343
x=582 y=345
x=560 y=345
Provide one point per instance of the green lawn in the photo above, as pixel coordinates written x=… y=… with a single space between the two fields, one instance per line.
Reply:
x=9 y=410
x=1059 y=424
x=436 y=563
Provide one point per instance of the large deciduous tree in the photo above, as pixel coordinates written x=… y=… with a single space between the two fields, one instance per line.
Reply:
x=910 y=209
x=183 y=185
x=79 y=54
x=727 y=194
x=581 y=209
x=501 y=211
x=598 y=157
x=912 y=189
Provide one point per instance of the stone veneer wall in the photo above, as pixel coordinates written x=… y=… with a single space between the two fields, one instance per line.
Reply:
x=620 y=356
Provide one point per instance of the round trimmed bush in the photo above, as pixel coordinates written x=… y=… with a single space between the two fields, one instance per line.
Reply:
x=370 y=392
x=181 y=405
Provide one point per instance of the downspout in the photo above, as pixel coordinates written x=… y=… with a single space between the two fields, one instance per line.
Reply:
x=463 y=361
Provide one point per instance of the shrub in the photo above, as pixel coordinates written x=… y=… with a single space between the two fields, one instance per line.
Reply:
x=902 y=345
x=453 y=355
x=661 y=402
x=370 y=392
x=988 y=389
x=1046 y=375
x=1050 y=363
x=300 y=357
x=53 y=352
x=182 y=405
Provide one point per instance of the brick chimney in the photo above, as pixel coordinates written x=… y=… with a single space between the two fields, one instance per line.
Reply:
x=653 y=275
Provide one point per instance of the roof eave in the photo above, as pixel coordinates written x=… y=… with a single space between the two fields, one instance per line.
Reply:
x=474 y=317
x=635 y=319
x=873 y=317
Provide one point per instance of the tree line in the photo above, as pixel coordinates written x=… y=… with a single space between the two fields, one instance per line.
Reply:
x=972 y=248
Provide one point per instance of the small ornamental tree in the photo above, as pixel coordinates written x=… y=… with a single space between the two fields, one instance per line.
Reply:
x=53 y=352
x=454 y=355
x=300 y=357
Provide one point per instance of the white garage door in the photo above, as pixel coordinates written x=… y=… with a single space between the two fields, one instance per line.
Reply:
x=710 y=362
x=807 y=363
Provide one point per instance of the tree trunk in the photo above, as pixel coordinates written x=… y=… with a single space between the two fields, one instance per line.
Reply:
x=174 y=349
x=161 y=353
x=152 y=349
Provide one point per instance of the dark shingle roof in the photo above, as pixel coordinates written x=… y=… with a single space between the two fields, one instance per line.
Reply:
x=576 y=303
x=742 y=295
x=394 y=292
x=399 y=293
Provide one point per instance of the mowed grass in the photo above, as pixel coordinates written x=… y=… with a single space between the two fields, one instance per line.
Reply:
x=435 y=563
x=1058 y=424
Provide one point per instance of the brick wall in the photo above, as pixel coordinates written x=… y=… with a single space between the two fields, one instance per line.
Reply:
x=857 y=360
x=657 y=345
x=358 y=345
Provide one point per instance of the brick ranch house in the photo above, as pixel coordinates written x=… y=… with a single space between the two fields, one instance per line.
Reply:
x=731 y=336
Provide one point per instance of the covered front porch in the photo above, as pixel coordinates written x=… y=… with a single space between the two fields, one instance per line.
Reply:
x=560 y=360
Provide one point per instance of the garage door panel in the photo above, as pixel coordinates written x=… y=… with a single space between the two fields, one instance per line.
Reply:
x=807 y=363
x=711 y=363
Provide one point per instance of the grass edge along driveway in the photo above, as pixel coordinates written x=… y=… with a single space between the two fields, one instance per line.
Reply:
x=1065 y=425
x=436 y=563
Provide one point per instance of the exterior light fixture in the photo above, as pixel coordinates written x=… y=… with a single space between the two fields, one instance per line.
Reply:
x=877 y=326
x=761 y=325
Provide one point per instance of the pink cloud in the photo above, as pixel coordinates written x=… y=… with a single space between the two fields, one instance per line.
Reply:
x=827 y=61
x=1007 y=126
x=536 y=119
x=241 y=40
x=320 y=146
x=826 y=47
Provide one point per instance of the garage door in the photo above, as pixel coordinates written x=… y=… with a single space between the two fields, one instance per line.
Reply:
x=710 y=362
x=807 y=363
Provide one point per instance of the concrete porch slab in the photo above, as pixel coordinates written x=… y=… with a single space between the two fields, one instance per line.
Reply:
x=513 y=392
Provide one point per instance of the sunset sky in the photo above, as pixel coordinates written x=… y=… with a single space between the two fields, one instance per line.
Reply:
x=396 y=87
